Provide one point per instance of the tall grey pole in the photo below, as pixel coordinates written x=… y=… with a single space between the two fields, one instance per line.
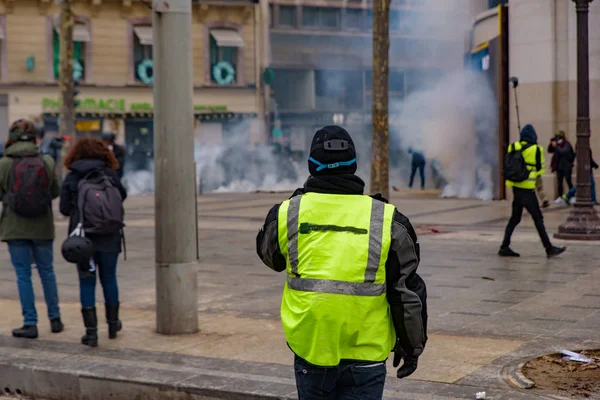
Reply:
x=175 y=214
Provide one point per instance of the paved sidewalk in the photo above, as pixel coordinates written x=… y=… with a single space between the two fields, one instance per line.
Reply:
x=485 y=312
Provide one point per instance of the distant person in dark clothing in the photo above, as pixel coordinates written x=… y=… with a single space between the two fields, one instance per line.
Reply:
x=418 y=163
x=119 y=151
x=563 y=157
x=54 y=148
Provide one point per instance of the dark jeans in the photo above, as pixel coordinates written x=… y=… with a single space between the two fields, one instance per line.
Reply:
x=566 y=176
x=527 y=199
x=106 y=264
x=351 y=380
x=573 y=190
x=21 y=253
x=421 y=168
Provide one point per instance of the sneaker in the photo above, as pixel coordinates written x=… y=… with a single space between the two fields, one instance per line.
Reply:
x=545 y=204
x=507 y=252
x=27 y=332
x=554 y=251
x=56 y=325
x=572 y=201
x=559 y=200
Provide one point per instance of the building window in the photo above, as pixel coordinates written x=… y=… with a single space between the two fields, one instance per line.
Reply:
x=225 y=48
x=353 y=18
x=396 y=84
x=337 y=90
x=142 y=54
x=368 y=21
x=321 y=17
x=81 y=41
x=287 y=16
x=496 y=3
x=395 y=24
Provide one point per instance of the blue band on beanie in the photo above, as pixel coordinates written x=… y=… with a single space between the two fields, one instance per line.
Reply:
x=322 y=166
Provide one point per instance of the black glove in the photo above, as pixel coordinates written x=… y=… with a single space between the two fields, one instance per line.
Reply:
x=410 y=362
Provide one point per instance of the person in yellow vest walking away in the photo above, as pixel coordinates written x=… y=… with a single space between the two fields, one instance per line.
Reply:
x=352 y=294
x=523 y=165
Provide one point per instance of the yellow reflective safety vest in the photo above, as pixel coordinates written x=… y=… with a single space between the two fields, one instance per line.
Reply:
x=334 y=303
x=530 y=155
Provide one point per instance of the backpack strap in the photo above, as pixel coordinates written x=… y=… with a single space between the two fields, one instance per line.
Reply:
x=538 y=156
x=124 y=244
x=81 y=197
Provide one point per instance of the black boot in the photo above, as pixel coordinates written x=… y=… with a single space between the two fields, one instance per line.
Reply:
x=91 y=327
x=56 y=325
x=554 y=251
x=112 y=318
x=507 y=252
x=27 y=332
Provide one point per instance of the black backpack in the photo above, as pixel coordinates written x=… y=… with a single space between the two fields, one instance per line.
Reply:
x=100 y=204
x=515 y=167
x=29 y=192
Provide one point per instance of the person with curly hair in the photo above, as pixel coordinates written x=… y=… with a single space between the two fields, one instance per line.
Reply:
x=86 y=157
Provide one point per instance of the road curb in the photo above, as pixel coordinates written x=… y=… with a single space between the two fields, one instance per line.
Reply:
x=55 y=385
x=93 y=374
x=515 y=377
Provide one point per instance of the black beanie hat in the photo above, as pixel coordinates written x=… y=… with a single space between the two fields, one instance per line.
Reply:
x=332 y=152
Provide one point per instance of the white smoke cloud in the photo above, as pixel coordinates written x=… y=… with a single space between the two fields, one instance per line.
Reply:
x=232 y=165
x=453 y=120
x=442 y=122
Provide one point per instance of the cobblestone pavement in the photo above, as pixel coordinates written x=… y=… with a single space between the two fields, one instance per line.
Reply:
x=485 y=312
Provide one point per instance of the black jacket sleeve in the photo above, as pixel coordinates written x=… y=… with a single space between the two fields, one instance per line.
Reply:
x=406 y=290
x=267 y=242
x=67 y=201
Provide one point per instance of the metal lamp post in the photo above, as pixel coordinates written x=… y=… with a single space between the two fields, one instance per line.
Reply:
x=583 y=223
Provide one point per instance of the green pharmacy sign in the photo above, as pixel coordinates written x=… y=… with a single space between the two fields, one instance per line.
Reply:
x=87 y=104
x=118 y=105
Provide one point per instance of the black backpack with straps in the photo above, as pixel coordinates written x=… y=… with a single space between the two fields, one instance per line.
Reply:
x=515 y=167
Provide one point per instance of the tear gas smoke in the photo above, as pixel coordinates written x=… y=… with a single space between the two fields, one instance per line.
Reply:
x=446 y=112
x=452 y=118
x=442 y=122
x=232 y=165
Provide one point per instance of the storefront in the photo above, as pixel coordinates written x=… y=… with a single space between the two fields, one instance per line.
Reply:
x=221 y=115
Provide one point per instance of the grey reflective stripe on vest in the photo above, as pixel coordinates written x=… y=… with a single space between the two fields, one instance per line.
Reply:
x=366 y=288
x=375 y=237
x=292 y=224
x=336 y=287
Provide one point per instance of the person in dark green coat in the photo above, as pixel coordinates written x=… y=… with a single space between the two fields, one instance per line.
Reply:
x=27 y=222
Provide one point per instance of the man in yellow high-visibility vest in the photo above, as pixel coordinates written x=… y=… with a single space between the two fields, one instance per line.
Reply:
x=352 y=293
x=524 y=192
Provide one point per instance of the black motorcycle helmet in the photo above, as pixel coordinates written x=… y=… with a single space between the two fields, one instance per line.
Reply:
x=77 y=249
